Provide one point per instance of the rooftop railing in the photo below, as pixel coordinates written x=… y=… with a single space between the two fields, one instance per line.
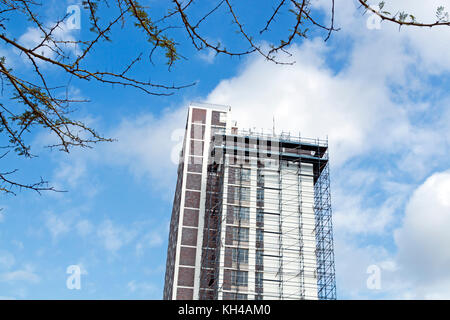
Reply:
x=269 y=135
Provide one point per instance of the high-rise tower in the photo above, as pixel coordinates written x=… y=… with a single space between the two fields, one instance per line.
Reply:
x=251 y=216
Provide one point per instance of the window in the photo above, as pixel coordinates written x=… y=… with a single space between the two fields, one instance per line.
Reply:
x=260 y=194
x=245 y=174
x=245 y=194
x=259 y=279
x=236 y=193
x=240 y=234
x=222 y=117
x=259 y=258
x=260 y=177
x=240 y=255
x=239 y=278
x=216 y=130
x=242 y=194
x=259 y=235
x=240 y=296
x=241 y=213
x=259 y=215
x=242 y=174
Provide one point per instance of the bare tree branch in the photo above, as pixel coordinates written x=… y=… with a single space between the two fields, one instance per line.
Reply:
x=33 y=101
x=400 y=17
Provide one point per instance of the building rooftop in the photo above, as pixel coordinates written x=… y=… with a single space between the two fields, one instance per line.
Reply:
x=208 y=105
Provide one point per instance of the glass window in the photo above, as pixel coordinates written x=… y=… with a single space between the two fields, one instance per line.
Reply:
x=222 y=117
x=240 y=234
x=260 y=177
x=239 y=278
x=245 y=194
x=241 y=174
x=242 y=194
x=259 y=279
x=244 y=174
x=259 y=235
x=259 y=258
x=259 y=215
x=216 y=130
x=240 y=255
x=241 y=213
x=260 y=194
x=240 y=296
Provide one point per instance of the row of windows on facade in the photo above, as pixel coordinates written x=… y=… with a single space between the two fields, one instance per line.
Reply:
x=246 y=143
x=240 y=278
x=268 y=163
x=243 y=214
x=243 y=174
x=240 y=255
x=241 y=234
x=198 y=131
x=243 y=194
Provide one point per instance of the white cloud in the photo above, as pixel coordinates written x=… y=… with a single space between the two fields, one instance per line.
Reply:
x=71 y=173
x=57 y=225
x=151 y=239
x=148 y=290
x=309 y=98
x=34 y=37
x=354 y=106
x=425 y=43
x=84 y=227
x=352 y=215
x=209 y=56
x=420 y=267
x=65 y=222
x=423 y=238
x=352 y=263
x=114 y=237
x=23 y=275
x=146 y=145
x=143 y=235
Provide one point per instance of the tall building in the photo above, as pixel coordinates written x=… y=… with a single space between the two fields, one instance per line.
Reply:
x=251 y=215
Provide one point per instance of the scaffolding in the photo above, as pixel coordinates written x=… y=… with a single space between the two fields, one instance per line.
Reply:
x=210 y=266
x=267 y=224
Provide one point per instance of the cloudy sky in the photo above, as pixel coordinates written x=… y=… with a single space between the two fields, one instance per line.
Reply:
x=381 y=95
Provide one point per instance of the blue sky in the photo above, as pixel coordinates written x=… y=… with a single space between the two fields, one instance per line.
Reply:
x=380 y=95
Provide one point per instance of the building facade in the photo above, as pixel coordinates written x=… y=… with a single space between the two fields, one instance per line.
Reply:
x=251 y=216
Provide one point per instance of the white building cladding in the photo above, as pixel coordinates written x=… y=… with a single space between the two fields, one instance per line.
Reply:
x=264 y=213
